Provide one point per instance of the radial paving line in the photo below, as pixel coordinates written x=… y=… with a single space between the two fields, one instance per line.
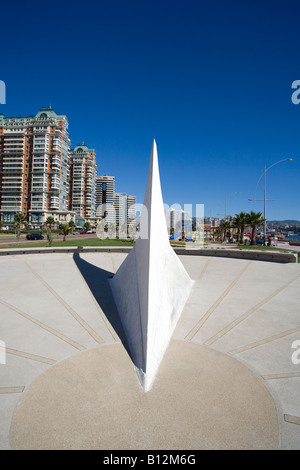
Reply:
x=42 y=325
x=11 y=389
x=197 y=327
x=75 y=315
x=248 y=313
x=113 y=262
x=264 y=341
x=281 y=376
x=292 y=419
x=34 y=357
x=203 y=270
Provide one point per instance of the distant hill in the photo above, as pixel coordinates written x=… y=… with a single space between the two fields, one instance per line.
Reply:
x=288 y=222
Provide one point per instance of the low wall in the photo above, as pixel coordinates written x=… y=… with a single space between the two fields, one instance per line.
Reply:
x=67 y=249
x=222 y=252
x=275 y=256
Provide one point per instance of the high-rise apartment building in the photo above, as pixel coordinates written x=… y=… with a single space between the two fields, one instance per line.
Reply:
x=131 y=208
x=125 y=207
x=120 y=204
x=83 y=173
x=40 y=176
x=34 y=166
x=125 y=211
x=105 y=191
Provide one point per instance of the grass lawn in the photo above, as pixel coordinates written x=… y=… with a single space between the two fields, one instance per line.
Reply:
x=70 y=242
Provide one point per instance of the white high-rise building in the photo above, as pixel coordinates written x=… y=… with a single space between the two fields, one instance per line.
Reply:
x=120 y=203
x=83 y=172
x=131 y=208
x=105 y=191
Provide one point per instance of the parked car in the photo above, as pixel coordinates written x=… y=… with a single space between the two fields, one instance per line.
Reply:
x=83 y=232
x=35 y=236
x=89 y=231
x=75 y=233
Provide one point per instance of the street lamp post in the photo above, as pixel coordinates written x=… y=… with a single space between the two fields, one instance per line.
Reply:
x=265 y=192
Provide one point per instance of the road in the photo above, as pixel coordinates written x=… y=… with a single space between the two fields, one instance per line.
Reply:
x=12 y=240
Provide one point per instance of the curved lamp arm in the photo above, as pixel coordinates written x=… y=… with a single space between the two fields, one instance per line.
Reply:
x=283 y=160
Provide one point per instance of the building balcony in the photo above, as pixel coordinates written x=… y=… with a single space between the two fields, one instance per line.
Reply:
x=53 y=191
x=13 y=151
x=13 y=157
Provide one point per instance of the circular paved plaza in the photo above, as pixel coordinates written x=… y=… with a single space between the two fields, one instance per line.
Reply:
x=227 y=380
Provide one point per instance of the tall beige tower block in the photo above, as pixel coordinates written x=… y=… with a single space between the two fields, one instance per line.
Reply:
x=151 y=286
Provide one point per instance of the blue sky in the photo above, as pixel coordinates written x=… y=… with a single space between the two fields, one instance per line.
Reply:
x=209 y=80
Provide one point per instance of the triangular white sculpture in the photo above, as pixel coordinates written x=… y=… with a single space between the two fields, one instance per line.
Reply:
x=151 y=286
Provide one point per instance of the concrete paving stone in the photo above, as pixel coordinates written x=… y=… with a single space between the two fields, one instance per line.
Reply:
x=289 y=436
x=247 y=294
x=21 y=334
x=70 y=286
x=274 y=357
x=8 y=403
x=34 y=299
x=193 y=269
x=288 y=390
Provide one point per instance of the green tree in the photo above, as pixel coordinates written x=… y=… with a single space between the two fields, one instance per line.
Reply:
x=50 y=222
x=66 y=230
x=218 y=232
x=18 y=221
x=225 y=226
x=254 y=220
x=72 y=225
x=237 y=224
x=242 y=221
x=87 y=225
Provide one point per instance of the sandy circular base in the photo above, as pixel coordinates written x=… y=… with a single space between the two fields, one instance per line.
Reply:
x=201 y=399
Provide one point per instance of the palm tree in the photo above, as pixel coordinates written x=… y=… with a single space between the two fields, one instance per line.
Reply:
x=242 y=222
x=66 y=230
x=224 y=228
x=72 y=225
x=254 y=219
x=19 y=220
x=49 y=222
x=237 y=224
x=218 y=232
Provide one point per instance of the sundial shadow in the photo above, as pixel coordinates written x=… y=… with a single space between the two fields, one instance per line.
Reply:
x=97 y=280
